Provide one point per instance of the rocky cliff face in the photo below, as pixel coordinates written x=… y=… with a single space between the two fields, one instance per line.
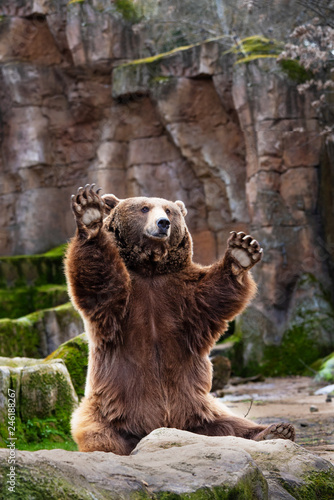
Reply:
x=236 y=143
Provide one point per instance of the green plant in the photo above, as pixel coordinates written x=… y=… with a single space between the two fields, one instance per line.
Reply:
x=128 y=10
x=255 y=47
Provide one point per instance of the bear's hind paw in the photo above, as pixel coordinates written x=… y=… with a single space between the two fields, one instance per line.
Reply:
x=281 y=430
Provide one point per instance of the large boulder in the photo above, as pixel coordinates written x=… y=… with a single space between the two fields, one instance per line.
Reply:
x=175 y=464
x=40 y=333
x=289 y=347
x=74 y=353
x=44 y=398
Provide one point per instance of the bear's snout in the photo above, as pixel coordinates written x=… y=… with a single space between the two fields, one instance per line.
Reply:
x=158 y=225
x=163 y=225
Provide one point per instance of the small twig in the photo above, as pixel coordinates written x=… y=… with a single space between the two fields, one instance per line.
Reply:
x=250 y=406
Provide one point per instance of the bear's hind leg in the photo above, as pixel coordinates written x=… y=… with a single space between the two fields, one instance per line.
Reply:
x=230 y=425
x=109 y=440
x=91 y=433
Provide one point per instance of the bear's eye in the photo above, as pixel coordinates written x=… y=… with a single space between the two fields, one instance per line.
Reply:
x=167 y=211
x=145 y=209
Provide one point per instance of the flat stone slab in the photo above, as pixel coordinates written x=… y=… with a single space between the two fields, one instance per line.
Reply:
x=173 y=463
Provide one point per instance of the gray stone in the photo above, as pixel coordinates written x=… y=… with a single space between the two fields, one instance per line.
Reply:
x=179 y=463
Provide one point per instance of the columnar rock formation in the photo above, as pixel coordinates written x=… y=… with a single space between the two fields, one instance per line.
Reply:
x=237 y=144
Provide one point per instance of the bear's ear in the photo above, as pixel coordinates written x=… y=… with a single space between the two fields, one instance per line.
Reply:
x=182 y=207
x=110 y=201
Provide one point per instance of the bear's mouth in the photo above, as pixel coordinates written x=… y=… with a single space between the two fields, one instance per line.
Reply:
x=158 y=235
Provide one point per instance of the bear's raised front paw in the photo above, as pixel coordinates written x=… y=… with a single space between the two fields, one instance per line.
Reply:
x=281 y=430
x=88 y=210
x=244 y=249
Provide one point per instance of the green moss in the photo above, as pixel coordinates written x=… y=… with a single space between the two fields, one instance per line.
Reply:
x=161 y=79
x=45 y=400
x=295 y=71
x=307 y=337
x=39 y=419
x=65 y=443
x=32 y=270
x=300 y=347
x=48 y=296
x=74 y=353
x=3 y=431
x=35 y=401
x=317 y=485
x=258 y=47
x=56 y=252
x=37 y=431
x=296 y=352
x=163 y=55
x=255 y=47
x=16 y=302
x=26 y=336
x=247 y=489
x=39 y=484
x=20 y=337
x=129 y=10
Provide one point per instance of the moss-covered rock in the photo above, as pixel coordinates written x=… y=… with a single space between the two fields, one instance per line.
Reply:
x=144 y=75
x=18 y=362
x=74 y=353
x=308 y=337
x=40 y=333
x=46 y=390
x=170 y=464
x=4 y=386
x=33 y=270
x=44 y=401
x=17 y=302
x=21 y=337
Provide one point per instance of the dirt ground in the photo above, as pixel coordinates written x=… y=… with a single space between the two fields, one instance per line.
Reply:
x=288 y=399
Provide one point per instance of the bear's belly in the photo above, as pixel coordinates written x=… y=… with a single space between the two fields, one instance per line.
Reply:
x=162 y=392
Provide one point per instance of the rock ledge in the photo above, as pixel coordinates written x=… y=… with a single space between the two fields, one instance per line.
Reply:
x=175 y=463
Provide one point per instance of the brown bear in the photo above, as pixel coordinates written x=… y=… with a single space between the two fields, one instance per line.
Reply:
x=152 y=315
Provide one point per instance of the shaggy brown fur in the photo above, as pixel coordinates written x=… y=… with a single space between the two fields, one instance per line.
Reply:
x=152 y=316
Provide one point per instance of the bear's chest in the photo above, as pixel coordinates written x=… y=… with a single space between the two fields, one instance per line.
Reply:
x=153 y=324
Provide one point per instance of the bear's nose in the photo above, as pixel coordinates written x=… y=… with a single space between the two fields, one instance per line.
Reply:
x=163 y=224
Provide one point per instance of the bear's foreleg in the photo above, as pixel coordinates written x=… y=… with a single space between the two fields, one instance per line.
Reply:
x=98 y=281
x=227 y=286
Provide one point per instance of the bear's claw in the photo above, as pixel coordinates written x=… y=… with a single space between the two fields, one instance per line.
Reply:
x=244 y=249
x=88 y=209
x=281 y=430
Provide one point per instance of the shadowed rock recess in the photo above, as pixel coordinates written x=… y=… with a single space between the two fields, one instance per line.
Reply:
x=235 y=142
x=176 y=464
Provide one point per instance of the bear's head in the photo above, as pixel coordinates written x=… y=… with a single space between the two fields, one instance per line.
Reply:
x=150 y=233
